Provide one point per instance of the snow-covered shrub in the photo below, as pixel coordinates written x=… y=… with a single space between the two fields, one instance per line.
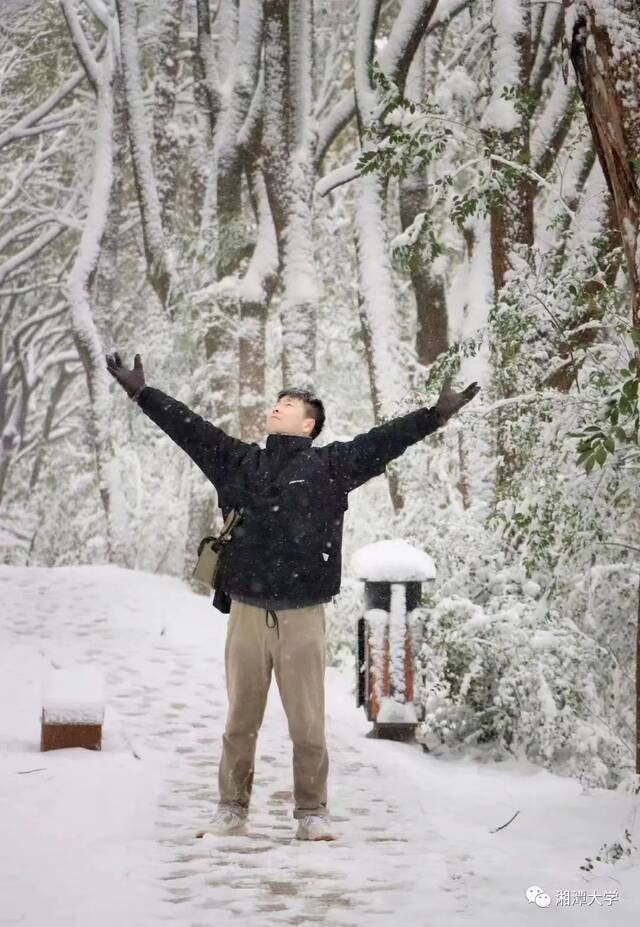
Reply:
x=530 y=626
x=526 y=682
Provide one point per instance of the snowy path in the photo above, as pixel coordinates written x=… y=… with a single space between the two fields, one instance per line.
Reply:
x=110 y=836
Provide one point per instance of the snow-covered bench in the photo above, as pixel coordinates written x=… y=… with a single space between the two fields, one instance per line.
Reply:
x=73 y=702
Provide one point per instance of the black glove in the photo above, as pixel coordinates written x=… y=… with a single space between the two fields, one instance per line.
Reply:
x=449 y=401
x=130 y=380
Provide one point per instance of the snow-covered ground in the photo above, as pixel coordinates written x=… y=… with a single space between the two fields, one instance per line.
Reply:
x=108 y=838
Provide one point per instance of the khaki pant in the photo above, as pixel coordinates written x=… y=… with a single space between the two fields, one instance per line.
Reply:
x=292 y=642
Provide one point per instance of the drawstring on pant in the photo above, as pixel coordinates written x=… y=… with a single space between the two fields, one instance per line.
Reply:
x=275 y=625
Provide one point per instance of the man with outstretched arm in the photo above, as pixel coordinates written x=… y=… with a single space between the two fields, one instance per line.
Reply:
x=281 y=566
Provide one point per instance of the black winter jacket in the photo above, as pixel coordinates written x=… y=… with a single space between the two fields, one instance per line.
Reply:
x=286 y=550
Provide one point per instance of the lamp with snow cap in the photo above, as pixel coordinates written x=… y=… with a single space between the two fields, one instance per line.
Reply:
x=393 y=572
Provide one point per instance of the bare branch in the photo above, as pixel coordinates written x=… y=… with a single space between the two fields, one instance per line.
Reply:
x=414 y=21
x=16 y=261
x=337 y=178
x=34 y=117
x=80 y=43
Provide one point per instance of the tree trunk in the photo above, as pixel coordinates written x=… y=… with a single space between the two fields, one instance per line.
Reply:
x=166 y=146
x=379 y=314
x=63 y=380
x=232 y=237
x=432 y=328
x=506 y=126
x=604 y=51
x=638 y=683
x=380 y=317
x=255 y=292
x=300 y=300
x=105 y=283
x=287 y=162
x=85 y=335
x=140 y=140
x=507 y=129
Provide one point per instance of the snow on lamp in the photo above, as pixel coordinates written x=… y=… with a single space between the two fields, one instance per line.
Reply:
x=393 y=572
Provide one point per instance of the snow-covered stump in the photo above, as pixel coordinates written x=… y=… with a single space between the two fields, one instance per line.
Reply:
x=72 y=708
x=393 y=572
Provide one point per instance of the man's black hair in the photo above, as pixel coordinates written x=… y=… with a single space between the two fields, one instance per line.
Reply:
x=313 y=407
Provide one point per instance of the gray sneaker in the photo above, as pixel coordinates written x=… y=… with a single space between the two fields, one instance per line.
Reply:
x=226 y=822
x=315 y=827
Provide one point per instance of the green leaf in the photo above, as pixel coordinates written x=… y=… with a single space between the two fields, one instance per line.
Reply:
x=601 y=455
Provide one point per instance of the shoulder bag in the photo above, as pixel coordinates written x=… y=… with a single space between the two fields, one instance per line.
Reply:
x=209 y=550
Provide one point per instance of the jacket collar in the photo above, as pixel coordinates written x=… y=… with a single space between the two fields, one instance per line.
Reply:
x=287 y=443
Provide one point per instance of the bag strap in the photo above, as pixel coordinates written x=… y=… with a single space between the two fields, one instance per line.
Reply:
x=230 y=522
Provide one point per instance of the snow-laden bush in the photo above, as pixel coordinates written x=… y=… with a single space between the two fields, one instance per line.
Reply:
x=529 y=631
x=524 y=679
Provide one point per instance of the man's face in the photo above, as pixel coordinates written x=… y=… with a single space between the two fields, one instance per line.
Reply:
x=288 y=417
